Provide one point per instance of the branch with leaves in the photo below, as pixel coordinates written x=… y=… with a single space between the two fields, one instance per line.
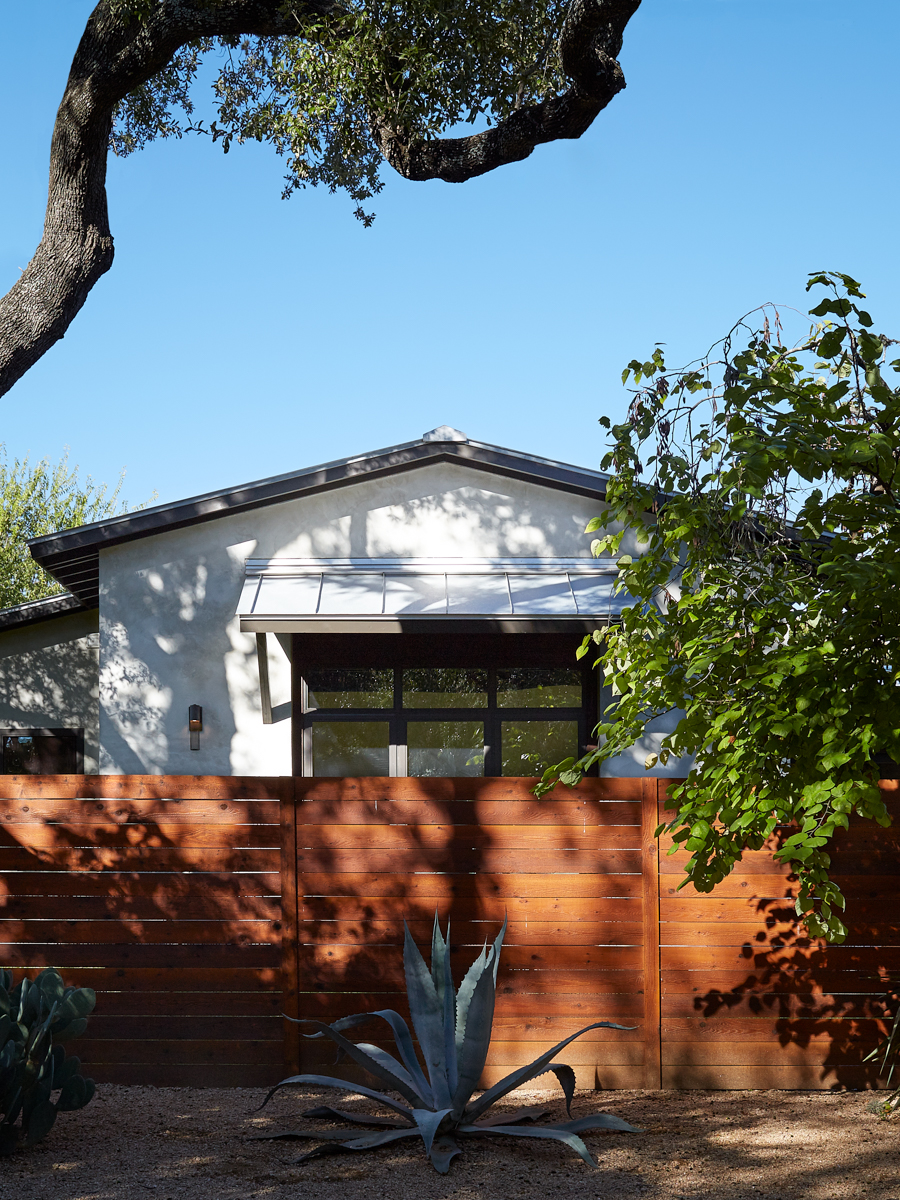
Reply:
x=762 y=484
x=335 y=88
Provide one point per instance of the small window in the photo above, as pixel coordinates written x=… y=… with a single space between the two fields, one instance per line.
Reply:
x=42 y=751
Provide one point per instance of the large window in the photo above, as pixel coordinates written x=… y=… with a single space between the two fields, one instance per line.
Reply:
x=453 y=719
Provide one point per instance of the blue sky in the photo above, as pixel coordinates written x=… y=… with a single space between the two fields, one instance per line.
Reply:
x=239 y=335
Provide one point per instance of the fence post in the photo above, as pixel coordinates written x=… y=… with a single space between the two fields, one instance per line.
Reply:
x=650 y=912
x=290 y=964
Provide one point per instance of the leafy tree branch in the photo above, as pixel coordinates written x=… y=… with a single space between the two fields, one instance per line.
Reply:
x=761 y=483
x=336 y=88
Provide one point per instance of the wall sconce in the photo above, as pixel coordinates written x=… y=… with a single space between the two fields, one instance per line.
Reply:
x=195 y=725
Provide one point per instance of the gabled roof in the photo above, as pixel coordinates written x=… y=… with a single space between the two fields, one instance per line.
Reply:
x=73 y=556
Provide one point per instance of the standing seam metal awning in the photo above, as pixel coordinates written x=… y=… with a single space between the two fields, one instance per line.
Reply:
x=387 y=595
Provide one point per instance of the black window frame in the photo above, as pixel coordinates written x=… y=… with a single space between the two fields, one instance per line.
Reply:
x=75 y=737
x=489 y=651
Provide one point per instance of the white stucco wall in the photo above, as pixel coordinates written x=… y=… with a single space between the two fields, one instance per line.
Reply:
x=169 y=637
x=49 y=678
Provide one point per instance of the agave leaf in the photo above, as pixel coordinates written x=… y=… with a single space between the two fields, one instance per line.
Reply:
x=498 y=946
x=427 y=1014
x=375 y=1066
x=473 y=1054
x=326 y=1113
x=596 y=1121
x=443 y=985
x=342 y=1085
x=464 y=996
x=565 y=1077
x=428 y=1121
x=389 y=1063
x=402 y=1037
x=535 y=1131
x=369 y=1141
x=532 y=1113
x=443 y=1151
x=538 y=1067
x=294 y=1135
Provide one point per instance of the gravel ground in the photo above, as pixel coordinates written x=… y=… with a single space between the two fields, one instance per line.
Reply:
x=179 y=1143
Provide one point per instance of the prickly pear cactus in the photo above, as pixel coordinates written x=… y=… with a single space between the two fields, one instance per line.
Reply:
x=36 y=1017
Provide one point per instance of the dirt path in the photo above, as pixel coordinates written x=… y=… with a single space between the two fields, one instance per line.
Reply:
x=179 y=1143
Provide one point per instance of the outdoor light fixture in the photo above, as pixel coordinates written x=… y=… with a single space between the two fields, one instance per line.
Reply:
x=195 y=724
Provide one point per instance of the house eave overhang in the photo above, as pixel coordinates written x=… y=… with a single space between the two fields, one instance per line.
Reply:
x=33 y=612
x=73 y=556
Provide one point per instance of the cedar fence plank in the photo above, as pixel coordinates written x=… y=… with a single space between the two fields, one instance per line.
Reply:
x=458 y=858
x=677 y=933
x=504 y=813
x=782 y=1004
x=758 y=1054
x=152 y=835
x=472 y=933
x=145 y=787
x=364 y=908
x=142 y=884
x=433 y=886
x=226 y=1052
x=414 y=839
x=461 y=788
x=168 y=1005
x=786 y=1077
x=188 y=906
x=151 y=858
x=68 y=933
x=330 y=1006
x=800 y=979
x=136 y=811
x=179 y=983
x=58 y=954
x=869 y=960
x=801 y=1030
x=342 y=959
x=183 y=1027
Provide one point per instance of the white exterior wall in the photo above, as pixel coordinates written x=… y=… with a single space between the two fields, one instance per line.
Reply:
x=169 y=637
x=48 y=678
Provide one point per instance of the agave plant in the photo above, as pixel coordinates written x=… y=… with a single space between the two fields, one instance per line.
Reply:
x=454 y=1033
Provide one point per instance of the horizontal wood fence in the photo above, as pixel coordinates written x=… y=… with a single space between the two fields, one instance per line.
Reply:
x=202 y=908
x=163 y=894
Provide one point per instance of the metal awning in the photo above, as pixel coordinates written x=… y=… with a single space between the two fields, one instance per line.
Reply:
x=393 y=595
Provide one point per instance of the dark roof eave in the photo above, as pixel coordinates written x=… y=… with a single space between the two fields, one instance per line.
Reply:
x=32 y=612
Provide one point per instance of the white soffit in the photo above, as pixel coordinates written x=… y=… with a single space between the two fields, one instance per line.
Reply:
x=390 y=595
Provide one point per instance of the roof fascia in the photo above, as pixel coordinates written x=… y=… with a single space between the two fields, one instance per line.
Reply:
x=33 y=612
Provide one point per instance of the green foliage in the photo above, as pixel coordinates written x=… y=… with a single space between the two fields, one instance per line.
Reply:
x=453 y=1030
x=759 y=489
x=36 y=1017
x=38 y=500
x=420 y=66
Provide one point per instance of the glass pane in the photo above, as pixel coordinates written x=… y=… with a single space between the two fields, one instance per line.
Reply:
x=349 y=687
x=38 y=756
x=529 y=747
x=351 y=748
x=539 y=687
x=445 y=748
x=444 y=687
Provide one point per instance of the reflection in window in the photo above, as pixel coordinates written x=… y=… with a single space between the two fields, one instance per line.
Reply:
x=444 y=687
x=529 y=747
x=350 y=688
x=445 y=748
x=539 y=687
x=40 y=753
x=351 y=748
